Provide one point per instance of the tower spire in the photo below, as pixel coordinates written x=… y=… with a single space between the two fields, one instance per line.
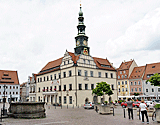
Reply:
x=81 y=38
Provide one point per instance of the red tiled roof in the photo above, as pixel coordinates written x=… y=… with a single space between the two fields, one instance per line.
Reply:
x=52 y=64
x=74 y=58
x=9 y=77
x=125 y=65
x=99 y=62
x=137 y=72
x=151 y=69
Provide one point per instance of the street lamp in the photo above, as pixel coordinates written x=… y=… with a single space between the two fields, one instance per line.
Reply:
x=4 y=100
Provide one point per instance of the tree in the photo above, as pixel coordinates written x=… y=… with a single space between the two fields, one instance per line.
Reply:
x=136 y=94
x=154 y=80
x=102 y=88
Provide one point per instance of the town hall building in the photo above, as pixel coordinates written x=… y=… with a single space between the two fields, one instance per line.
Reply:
x=70 y=79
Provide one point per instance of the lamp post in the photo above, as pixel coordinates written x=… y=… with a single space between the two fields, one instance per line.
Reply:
x=4 y=99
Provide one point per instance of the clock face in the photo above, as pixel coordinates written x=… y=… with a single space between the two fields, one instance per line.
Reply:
x=78 y=43
x=85 y=42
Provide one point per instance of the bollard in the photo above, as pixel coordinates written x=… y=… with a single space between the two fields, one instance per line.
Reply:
x=67 y=106
x=96 y=109
x=78 y=106
x=73 y=106
x=113 y=111
x=139 y=115
x=124 y=113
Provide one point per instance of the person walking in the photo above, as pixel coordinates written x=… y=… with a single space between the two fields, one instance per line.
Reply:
x=143 y=109
x=130 y=108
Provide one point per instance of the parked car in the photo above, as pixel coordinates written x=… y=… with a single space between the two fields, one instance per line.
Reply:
x=124 y=104
x=148 y=103
x=156 y=101
x=136 y=104
x=89 y=105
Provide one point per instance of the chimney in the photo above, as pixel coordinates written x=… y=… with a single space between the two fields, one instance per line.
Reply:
x=131 y=59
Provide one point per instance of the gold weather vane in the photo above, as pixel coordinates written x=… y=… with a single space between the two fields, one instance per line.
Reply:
x=80 y=2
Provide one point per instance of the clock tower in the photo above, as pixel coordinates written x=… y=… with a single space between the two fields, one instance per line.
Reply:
x=81 y=39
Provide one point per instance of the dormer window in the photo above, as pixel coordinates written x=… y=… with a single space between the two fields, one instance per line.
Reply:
x=120 y=72
x=64 y=63
x=84 y=60
x=153 y=66
x=106 y=66
x=68 y=61
x=118 y=77
x=88 y=61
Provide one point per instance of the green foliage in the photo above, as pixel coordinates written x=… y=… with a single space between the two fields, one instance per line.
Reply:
x=154 y=80
x=157 y=106
x=115 y=101
x=106 y=102
x=136 y=94
x=102 y=88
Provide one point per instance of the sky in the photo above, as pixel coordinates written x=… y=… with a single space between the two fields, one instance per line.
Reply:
x=35 y=32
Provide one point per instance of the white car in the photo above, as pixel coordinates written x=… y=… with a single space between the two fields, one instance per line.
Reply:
x=89 y=105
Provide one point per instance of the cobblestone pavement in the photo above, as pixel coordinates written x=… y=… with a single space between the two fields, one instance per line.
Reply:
x=78 y=116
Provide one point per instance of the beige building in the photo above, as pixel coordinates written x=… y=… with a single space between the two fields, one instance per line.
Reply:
x=70 y=79
x=123 y=74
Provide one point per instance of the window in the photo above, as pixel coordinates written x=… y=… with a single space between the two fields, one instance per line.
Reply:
x=139 y=89
x=64 y=63
x=136 y=89
x=122 y=76
x=39 y=98
x=47 y=89
x=106 y=75
x=139 y=83
x=119 y=90
x=122 y=82
x=10 y=87
x=70 y=86
x=70 y=99
x=59 y=74
x=60 y=88
x=79 y=72
x=91 y=72
x=131 y=83
x=124 y=71
x=55 y=88
x=152 y=89
x=39 y=89
x=54 y=76
x=92 y=86
x=13 y=87
x=47 y=78
x=111 y=75
x=43 y=89
x=64 y=88
x=118 y=77
x=51 y=77
x=118 y=83
x=120 y=72
x=132 y=90
x=50 y=88
x=65 y=101
x=146 y=90
x=125 y=76
x=38 y=79
x=112 y=87
x=44 y=78
x=126 y=82
x=64 y=74
x=158 y=89
x=88 y=61
x=122 y=89
x=16 y=93
x=99 y=74
x=70 y=73
x=86 y=86
x=16 y=87
x=126 y=90
x=84 y=60
x=135 y=83
x=80 y=86
x=68 y=61
x=10 y=93
x=59 y=99
x=85 y=73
